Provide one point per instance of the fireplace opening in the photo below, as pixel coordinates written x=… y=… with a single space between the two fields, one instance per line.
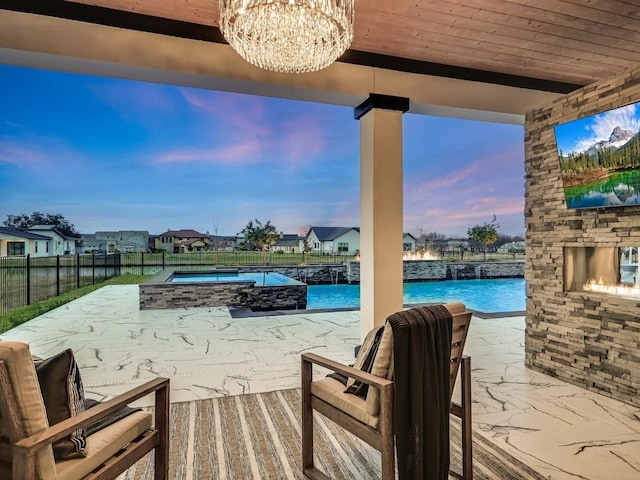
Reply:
x=611 y=270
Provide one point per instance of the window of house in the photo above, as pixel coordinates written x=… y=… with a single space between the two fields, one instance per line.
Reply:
x=36 y=246
x=15 y=248
x=47 y=246
x=343 y=247
x=316 y=245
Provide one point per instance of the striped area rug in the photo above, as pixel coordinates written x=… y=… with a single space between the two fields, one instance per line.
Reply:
x=258 y=437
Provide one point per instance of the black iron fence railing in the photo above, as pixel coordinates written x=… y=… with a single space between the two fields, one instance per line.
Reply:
x=27 y=280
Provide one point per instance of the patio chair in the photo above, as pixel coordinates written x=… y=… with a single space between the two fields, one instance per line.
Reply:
x=26 y=439
x=371 y=419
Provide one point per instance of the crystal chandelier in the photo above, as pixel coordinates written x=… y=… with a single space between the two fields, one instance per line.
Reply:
x=292 y=36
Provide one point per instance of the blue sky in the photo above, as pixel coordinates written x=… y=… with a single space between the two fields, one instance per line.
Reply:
x=113 y=154
x=579 y=135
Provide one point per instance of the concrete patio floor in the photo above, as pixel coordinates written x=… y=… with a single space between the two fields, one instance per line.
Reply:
x=561 y=431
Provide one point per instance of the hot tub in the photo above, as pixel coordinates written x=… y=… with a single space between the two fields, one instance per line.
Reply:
x=213 y=288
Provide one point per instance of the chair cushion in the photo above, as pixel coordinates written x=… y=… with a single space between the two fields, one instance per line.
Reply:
x=63 y=394
x=332 y=392
x=103 y=444
x=24 y=384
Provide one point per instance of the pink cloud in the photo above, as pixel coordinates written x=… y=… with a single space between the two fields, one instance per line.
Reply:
x=457 y=217
x=244 y=113
x=241 y=153
x=250 y=135
x=17 y=154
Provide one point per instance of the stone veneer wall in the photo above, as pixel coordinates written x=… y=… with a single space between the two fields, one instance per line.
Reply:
x=177 y=295
x=428 y=270
x=288 y=297
x=590 y=340
x=485 y=270
x=309 y=274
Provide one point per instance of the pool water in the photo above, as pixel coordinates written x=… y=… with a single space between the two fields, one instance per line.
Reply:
x=489 y=296
x=262 y=279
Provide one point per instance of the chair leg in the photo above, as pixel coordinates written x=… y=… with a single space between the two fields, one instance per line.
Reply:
x=162 y=425
x=307 y=417
x=386 y=433
x=467 y=428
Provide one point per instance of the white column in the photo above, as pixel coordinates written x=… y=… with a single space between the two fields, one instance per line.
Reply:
x=380 y=208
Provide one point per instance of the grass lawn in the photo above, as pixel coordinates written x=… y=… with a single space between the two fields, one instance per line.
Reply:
x=16 y=317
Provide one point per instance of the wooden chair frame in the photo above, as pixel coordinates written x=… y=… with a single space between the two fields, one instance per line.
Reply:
x=382 y=438
x=24 y=448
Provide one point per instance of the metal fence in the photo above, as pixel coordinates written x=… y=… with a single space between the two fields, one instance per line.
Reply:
x=151 y=263
x=27 y=280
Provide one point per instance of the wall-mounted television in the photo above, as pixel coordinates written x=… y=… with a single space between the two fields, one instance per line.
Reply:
x=600 y=158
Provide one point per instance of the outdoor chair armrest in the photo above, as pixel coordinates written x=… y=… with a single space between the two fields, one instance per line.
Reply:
x=364 y=377
x=37 y=441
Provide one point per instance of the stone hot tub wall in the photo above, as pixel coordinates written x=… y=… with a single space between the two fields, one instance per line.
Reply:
x=158 y=293
x=587 y=339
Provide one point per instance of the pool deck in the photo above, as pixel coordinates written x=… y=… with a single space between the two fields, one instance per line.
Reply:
x=562 y=431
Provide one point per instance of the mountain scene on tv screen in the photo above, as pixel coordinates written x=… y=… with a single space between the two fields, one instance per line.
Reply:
x=600 y=159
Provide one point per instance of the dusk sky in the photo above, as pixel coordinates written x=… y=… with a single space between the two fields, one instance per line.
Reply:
x=112 y=154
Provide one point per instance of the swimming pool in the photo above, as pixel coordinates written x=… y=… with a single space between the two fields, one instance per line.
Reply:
x=261 y=279
x=490 y=296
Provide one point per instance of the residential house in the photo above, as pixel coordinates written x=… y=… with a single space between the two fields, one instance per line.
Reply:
x=91 y=244
x=288 y=243
x=454 y=246
x=409 y=243
x=334 y=240
x=345 y=240
x=14 y=242
x=222 y=243
x=182 y=241
x=125 y=240
x=60 y=243
x=512 y=247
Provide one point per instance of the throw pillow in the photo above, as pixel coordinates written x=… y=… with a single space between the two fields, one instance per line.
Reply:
x=365 y=361
x=63 y=395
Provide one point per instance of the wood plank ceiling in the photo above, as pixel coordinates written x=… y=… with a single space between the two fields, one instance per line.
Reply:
x=572 y=41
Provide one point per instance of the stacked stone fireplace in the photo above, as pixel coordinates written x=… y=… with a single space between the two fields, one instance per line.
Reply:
x=585 y=337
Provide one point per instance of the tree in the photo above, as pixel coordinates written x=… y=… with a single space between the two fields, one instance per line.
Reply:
x=433 y=242
x=24 y=221
x=306 y=244
x=259 y=235
x=486 y=234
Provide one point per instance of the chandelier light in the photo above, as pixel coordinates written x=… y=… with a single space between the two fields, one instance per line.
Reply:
x=292 y=36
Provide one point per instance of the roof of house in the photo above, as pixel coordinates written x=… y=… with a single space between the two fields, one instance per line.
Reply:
x=325 y=234
x=185 y=233
x=23 y=234
x=407 y=234
x=49 y=228
x=191 y=242
x=122 y=232
x=223 y=238
x=288 y=240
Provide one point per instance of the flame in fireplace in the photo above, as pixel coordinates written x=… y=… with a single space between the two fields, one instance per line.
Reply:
x=622 y=290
